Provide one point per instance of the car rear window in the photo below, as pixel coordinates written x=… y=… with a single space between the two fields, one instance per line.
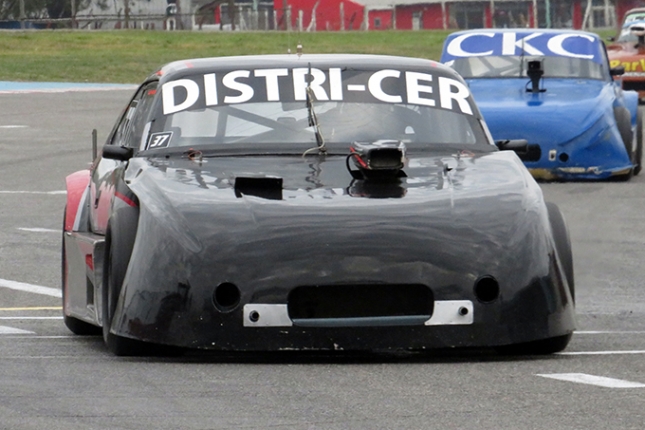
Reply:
x=515 y=67
x=281 y=105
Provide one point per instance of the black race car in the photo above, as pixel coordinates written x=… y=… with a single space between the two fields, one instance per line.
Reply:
x=312 y=202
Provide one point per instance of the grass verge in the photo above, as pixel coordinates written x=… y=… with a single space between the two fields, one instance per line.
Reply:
x=128 y=56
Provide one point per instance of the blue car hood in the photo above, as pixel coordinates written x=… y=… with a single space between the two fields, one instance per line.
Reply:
x=564 y=111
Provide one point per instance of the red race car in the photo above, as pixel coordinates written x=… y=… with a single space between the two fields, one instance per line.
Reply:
x=628 y=50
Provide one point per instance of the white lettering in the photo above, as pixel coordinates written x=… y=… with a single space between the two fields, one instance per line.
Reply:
x=375 y=87
x=446 y=96
x=555 y=45
x=419 y=88
x=159 y=139
x=414 y=88
x=210 y=89
x=246 y=91
x=271 y=78
x=300 y=83
x=335 y=84
x=454 y=47
x=168 y=95
x=509 y=43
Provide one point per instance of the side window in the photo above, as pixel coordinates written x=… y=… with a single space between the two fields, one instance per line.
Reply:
x=606 y=69
x=122 y=126
x=127 y=131
x=140 y=116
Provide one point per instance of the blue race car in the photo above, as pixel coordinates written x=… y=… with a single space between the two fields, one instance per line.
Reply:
x=555 y=89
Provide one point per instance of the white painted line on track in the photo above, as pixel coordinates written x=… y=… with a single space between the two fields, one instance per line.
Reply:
x=34 y=192
x=39 y=230
x=31 y=318
x=29 y=288
x=611 y=332
x=48 y=337
x=13 y=126
x=12 y=330
x=602 y=352
x=600 y=381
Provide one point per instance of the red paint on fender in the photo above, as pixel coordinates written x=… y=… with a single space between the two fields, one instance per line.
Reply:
x=125 y=199
x=76 y=184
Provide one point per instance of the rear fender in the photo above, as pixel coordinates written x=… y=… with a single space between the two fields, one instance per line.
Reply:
x=84 y=254
x=77 y=185
x=82 y=250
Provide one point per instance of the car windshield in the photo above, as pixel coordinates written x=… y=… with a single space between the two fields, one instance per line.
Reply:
x=636 y=16
x=367 y=107
x=508 y=66
x=626 y=35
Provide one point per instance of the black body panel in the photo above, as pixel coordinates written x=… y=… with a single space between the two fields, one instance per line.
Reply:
x=483 y=217
x=309 y=218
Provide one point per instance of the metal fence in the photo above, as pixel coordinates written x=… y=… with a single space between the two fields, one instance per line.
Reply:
x=240 y=17
x=245 y=17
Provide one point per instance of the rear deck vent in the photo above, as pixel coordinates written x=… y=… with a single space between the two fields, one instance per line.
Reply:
x=264 y=187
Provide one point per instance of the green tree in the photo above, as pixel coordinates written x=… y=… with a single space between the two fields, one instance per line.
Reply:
x=59 y=8
x=10 y=9
x=35 y=9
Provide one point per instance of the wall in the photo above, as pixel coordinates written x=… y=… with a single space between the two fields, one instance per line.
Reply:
x=328 y=16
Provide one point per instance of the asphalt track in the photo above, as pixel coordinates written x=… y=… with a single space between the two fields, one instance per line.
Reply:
x=54 y=380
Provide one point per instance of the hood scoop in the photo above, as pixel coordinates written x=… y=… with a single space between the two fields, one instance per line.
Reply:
x=381 y=160
x=379 y=173
x=263 y=187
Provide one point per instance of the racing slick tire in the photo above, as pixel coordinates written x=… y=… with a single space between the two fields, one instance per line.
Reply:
x=624 y=124
x=562 y=244
x=74 y=325
x=550 y=345
x=119 y=241
x=638 y=156
x=563 y=248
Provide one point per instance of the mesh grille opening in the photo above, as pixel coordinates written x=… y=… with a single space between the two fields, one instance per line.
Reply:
x=360 y=301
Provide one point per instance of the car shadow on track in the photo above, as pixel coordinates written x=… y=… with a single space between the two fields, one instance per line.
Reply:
x=327 y=357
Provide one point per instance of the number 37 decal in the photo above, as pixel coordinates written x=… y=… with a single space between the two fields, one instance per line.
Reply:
x=159 y=140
